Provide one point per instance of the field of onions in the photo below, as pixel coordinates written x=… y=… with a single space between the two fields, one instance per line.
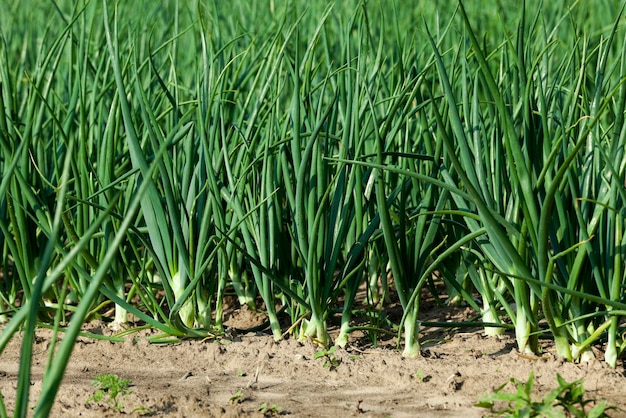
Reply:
x=316 y=161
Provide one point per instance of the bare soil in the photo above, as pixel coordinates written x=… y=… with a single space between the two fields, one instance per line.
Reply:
x=235 y=376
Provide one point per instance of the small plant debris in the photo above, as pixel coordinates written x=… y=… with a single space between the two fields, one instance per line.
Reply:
x=359 y=410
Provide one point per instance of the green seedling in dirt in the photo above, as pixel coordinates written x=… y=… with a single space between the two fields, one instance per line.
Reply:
x=330 y=360
x=110 y=388
x=236 y=398
x=419 y=375
x=565 y=400
x=271 y=410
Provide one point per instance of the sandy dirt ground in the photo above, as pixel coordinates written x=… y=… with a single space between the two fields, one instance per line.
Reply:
x=236 y=376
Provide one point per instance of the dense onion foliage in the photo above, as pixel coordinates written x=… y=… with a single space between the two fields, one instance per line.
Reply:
x=316 y=161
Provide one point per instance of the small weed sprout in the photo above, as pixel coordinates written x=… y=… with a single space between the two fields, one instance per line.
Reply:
x=110 y=388
x=565 y=400
x=330 y=360
x=237 y=398
x=419 y=375
x=271 y=410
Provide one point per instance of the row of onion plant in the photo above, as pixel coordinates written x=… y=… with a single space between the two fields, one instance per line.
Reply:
x=535 y=143
x=314 y=162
